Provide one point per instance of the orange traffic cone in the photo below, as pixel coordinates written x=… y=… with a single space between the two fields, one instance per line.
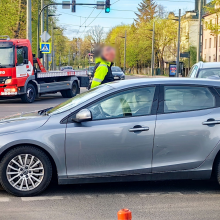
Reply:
x=124 y=214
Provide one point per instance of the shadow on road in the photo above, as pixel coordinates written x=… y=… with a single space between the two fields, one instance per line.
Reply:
x=183 y=186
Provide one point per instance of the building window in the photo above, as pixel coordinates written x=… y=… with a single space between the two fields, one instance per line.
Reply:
x=210 y=42
x=214 y=42
x=206 y=43
x=210 y=59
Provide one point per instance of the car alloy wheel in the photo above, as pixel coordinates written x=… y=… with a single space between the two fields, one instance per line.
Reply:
x=25 y=172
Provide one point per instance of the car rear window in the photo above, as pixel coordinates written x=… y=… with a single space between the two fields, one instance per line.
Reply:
x=187 y=98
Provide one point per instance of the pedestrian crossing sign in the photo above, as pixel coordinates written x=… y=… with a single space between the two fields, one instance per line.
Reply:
x=45 y=47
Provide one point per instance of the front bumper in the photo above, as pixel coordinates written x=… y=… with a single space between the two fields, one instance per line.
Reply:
x=122 y=77
x=8 y=91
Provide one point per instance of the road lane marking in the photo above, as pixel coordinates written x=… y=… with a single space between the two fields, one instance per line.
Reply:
x=4 y=199
x=40 y=198
x=121 y=195
x=174 y=193
x=149 y=194
x=88 y=197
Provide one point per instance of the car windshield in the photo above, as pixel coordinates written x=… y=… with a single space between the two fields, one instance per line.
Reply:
x=91 y=68
x=209 y=73
x=79 y=99
x=116 y=69
x=6 y=57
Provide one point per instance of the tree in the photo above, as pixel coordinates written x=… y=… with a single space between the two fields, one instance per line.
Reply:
x=147 y=9
x=96 y=35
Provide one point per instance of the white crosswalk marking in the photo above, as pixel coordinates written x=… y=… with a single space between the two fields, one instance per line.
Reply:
x=40 y=198
x=4 y=199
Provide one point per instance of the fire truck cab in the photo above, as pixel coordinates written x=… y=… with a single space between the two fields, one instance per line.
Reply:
x=23 y=75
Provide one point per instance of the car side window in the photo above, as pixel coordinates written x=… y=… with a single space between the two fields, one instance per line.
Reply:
x=187 y=98
x=20 y=55
x=129 y=103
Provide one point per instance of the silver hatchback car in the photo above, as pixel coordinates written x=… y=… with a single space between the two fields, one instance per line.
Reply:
x=132 y=130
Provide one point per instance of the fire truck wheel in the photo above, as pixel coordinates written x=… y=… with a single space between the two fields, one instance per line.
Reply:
x=30 y=94
x=71 y=92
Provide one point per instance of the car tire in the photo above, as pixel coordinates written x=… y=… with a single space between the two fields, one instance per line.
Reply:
x=32 y=167
x=29 y=95
x=69 y=93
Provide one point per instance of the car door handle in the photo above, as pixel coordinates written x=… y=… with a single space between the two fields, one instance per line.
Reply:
x=211 y=122
x=139 y=129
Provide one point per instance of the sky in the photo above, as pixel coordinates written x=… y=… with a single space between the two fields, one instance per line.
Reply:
x=122 y=12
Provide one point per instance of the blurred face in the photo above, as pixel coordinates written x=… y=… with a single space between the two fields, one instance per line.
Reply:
x=108 y=53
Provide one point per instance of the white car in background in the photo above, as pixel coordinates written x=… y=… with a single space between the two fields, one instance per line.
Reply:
x=205 y=70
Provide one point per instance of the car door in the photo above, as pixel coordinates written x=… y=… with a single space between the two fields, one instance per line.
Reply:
x=119 y=139
x=186 y=131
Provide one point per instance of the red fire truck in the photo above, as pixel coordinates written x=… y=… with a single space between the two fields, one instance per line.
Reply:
x=23 y=75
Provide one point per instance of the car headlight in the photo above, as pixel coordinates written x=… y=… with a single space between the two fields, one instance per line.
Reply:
x=7 y=81
x=89 y=74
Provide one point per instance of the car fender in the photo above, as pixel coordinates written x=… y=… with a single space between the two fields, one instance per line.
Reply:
x=12 y=140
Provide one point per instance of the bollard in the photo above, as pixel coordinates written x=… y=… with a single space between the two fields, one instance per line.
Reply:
x=124 y=214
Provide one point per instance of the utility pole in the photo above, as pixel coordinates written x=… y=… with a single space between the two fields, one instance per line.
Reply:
x=125 y=51
x=152 y=56
x=200 y=31
x=47 y=32
x=178 y=48
x=69 y=58
x=29 y=24
x=52 y=53
x=216 y=59
x=42 y=23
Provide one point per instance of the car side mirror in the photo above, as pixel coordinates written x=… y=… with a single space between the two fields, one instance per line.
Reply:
x=83 y=115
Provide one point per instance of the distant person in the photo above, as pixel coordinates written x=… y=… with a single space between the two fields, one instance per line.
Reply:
x=102 y=71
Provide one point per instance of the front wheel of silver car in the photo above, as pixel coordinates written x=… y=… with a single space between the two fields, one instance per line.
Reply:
x=25 y=171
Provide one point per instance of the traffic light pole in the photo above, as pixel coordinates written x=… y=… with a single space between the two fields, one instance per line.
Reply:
x=51 y=4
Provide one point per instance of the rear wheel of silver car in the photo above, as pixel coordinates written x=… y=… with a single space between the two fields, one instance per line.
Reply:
x=25 y=171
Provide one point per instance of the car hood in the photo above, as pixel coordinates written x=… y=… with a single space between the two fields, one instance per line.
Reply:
x=22 y=122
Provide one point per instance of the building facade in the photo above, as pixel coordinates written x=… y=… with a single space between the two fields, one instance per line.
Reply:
x=211 y=40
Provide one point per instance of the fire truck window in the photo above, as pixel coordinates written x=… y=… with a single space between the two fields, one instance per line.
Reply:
x=20 y=55
x=25 y=53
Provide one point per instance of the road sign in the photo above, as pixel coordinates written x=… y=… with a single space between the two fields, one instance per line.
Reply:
x=45 y=47
x=45 y=36
x=100 y=5
x=66 y=4
x=185 y=55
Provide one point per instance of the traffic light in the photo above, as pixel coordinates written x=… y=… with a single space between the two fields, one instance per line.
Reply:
x=73 y=5
x=107 y=6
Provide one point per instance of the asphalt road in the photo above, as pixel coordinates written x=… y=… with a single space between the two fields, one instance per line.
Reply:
x=166 y=200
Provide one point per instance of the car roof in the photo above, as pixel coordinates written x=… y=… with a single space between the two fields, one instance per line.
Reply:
x=209 y=65
x=168 y=81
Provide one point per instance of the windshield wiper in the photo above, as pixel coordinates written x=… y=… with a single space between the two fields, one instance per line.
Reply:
x=2 y=66
x=44 y=111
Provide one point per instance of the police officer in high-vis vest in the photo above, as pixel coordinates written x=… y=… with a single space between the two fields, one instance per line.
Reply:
x=102 y=71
